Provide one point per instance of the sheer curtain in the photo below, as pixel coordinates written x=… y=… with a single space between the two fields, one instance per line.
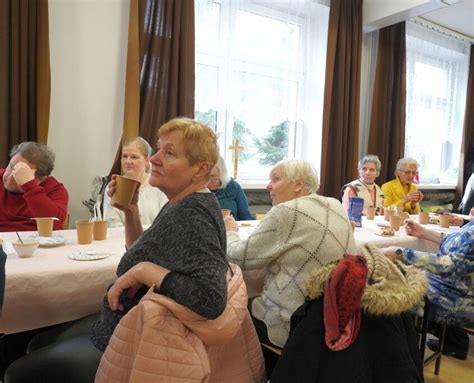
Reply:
x=437 y=69
x=260 y=69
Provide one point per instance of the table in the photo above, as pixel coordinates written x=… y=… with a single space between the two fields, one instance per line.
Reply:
x=366 y=234
x=50 y=288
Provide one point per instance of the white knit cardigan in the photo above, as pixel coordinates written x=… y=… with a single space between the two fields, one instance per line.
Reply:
x=295 y=238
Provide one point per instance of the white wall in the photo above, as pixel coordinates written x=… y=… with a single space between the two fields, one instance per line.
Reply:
x=382 y=13
x=88 y=42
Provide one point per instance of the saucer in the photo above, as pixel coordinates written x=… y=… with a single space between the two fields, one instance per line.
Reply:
x=55 y=240
x=88 y=255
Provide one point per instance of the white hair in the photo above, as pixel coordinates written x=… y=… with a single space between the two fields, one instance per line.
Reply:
x=402 y=162
x=300 y=170
x=223 y=173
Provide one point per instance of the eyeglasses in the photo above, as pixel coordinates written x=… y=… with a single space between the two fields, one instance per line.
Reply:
x=408 y=173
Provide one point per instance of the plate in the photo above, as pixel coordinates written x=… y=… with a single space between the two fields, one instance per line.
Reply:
x=88 y=255
x=380 y=221
x=55 y=240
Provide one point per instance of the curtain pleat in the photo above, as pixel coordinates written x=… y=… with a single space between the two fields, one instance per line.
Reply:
x=131 y=109
x=43 y=73
x=340 y=138
x=387 y=124
x=466 y=162
x=165 y=39
x=167 y=63
x=22 y=23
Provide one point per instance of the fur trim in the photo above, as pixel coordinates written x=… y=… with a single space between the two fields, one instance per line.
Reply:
x=390 y=290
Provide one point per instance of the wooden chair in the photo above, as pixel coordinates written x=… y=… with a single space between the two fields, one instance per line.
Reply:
x=65 y=224
x=422 y=329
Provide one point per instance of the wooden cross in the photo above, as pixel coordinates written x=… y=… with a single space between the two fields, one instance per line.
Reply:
x=235 y=148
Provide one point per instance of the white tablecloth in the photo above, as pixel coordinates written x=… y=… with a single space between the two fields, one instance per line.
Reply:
x=368 y=233
x=50 y=288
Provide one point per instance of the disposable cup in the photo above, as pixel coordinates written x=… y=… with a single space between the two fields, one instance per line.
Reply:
x=444 y=220
x=395 y=222
x=100 y=230
x=44 y=226
x=225 y=212
x=124 y=191
x=387 y=214
x=423 y=217
x=85 y=232
x=370 y=212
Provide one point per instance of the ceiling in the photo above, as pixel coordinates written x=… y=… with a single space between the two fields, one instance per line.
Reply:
x=458 y=17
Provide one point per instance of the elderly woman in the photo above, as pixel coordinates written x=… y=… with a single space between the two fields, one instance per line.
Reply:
x=135 y=163
x=182 y=254
x=401 y=192
x=365 y=186
x=451 y=286
x=228 y=192
x=302 y=232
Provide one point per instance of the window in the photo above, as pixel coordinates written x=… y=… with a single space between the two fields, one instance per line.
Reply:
x=437 y=70
x=260 y=69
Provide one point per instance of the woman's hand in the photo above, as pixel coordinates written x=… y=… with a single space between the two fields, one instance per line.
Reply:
x=22 y=173
x=414 y=229
x=112 y=188
x=455 y=220
x=230 y=224
x=142 y=274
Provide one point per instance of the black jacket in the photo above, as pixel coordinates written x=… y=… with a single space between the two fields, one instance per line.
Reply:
x=385 y=351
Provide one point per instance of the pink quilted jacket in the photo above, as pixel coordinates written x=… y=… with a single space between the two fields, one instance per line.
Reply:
x=160 y=340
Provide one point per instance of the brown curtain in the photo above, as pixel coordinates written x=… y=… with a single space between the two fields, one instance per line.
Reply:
x=341 y=97
x=166 y=54
x=466 y=162
x=167 y=63
x=24 y=73
x=387 y=123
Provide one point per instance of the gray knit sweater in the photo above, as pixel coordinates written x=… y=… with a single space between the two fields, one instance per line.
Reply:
x=295 y=238
x=189 y=239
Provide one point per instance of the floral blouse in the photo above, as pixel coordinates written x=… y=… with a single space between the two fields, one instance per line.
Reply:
x=451 y=277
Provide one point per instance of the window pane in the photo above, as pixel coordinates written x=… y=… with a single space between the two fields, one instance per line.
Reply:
x=262 y=38
x=437 y=68
x=208 y=18
x=206 y=94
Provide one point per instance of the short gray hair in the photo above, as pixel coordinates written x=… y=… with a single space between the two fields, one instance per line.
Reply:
x=38 y=154
x=223 y=173
x=297 y=170
x=372 y=158
x=402 y=162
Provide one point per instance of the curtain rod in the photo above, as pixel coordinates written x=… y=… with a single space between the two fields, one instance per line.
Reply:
x=436 y=27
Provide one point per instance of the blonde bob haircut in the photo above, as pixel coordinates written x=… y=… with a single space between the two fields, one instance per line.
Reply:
x=300 y=170
x=199 y=140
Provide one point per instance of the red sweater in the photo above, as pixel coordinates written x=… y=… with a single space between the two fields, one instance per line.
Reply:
x=48 y=199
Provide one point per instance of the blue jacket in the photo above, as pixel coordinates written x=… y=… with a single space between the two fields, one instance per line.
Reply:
x=451 y=277
x=233 y=197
